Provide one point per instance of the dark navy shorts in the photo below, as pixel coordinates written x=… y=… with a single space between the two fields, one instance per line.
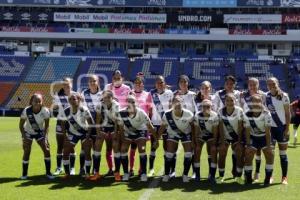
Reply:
x=205 y=138
x=108 y=129
x=258 y=142
x=58 y=127
x=136 y=136
x=37 y=137
x=278 y=135
x=74 y=139
x=295 y=121
x=184 y=138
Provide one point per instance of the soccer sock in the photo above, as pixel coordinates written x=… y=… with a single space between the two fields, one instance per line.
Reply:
x=109 y=159
x=295 y=133
x=248 y=173
x=169 y=157
x=72 y=160
x=47 y=165
x=257 y=163
x=173 y=164
x=269 y=171
x=284 y=163
x=192 y=164
x=132 y=155
x=82 y=159
x=143 y=161
x=197 y=169
x=233 y=156
x=209 y=160
x=96 y=161
x=117 y=162
x=87 y=164
x=25 y=167
x=124 y=161
x=221 y=172
x=152 y=159
x=59 y=160
x=187 y=162
x=213 y=169
x=67 y=166
x=239 y=172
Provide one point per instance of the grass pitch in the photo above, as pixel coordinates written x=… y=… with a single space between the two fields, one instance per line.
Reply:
x=38 y=187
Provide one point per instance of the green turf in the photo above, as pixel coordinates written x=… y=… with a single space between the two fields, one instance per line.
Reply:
x=38 y=187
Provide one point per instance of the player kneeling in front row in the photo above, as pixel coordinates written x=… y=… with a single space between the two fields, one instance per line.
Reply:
x=258 y=137
x=179 y=123
x=76 y=126
x=34 y=124
x=207 y=123
x=133 y=124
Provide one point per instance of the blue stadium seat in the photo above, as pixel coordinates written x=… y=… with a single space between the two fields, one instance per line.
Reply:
x=73 y=51
x=12 y=68
x=261 y=70
x=200 y=70
x=49 y=69
x=151 y=68
x=102 y=66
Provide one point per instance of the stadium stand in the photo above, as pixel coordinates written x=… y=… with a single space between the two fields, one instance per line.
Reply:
x=151 y=68
x=49 y=69
x=13 y=68
x=6 y=51
x=200 y=70
x=21 y=97
x=261 y=70
x=6 y=89
x=104 y=67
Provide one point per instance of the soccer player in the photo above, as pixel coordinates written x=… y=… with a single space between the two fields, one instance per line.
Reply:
x=219 y=102
x=230 y=133
x=145 y=102
x=76 y=127
x=229 y=87
x=295 y=108
x=60 y=102
x=92 y=98
x=162 y=100
x=245 y=101
x=187 y=96
x=206 y=127
x=179 y=123
x=120 y=91
x=106 y=121
x=278 y=104
x=133 y=125
x=34 y=124
x=258 y=137
x=204 y=93
x=188 y=102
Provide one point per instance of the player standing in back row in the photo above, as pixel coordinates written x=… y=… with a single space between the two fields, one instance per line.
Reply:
x=278 y=103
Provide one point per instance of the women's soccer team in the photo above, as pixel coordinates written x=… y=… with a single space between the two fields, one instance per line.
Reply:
x=249 y=122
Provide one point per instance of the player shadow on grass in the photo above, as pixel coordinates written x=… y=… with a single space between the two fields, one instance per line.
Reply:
x=8 y=180
x=73 y=181
x=134 y=183
x=226 y=187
